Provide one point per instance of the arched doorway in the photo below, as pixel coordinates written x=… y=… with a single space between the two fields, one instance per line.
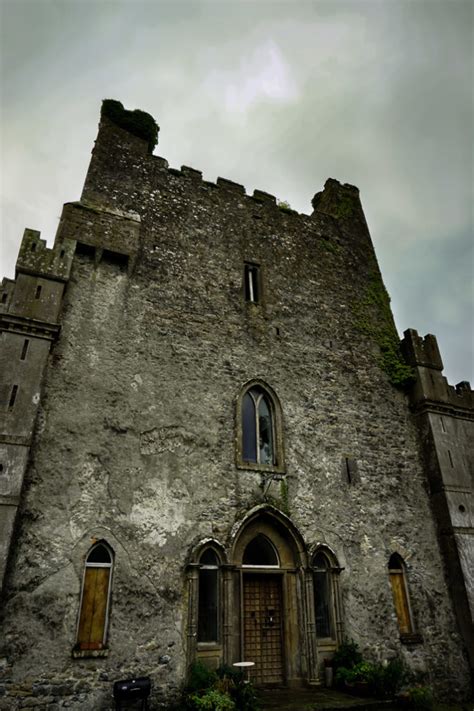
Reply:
x=268 y=557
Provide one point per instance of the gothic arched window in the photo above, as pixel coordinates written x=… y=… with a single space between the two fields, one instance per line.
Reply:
x=260 y=425
x=396 y=569
x=260 y=552
x=208 y=597
x=323 y=596
x=95 y=597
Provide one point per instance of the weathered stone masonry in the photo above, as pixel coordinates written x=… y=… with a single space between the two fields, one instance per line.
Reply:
x=141 y=344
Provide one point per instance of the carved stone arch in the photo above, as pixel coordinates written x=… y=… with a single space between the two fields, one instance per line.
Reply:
x=268 y=517
x=328 y=551
x=200 y=577
x=277 y=464
x=200 y=546
x=269 y=594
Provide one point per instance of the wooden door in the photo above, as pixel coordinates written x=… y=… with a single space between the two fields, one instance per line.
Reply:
x=94 y=608
x=263 y=628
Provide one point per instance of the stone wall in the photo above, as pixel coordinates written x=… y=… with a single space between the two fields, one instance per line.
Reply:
x=135 y=440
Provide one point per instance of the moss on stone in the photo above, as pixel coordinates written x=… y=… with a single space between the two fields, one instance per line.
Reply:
x=137 y=122
x=379 y=326
x=329 y=245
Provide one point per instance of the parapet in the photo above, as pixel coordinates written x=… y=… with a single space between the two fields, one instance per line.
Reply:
x=421 y=351
x=431 y=387
x=36 y=258
x=338 y=200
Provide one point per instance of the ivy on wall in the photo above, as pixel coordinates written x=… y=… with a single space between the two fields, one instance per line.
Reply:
x=373 y=317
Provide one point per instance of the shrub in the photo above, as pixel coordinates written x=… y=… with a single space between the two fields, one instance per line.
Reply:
x=420 y=697
x=222 y=690
x=137 y=122
x=212 y=700
x=381 y=681
x=348 y=655
x=200 y=678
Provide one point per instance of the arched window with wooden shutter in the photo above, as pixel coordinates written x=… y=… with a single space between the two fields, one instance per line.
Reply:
x=396 y=569
x=95 y=598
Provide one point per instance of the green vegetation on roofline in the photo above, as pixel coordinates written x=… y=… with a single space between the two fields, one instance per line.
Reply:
x=373 y=317
x=137 y=122
x=285 y=206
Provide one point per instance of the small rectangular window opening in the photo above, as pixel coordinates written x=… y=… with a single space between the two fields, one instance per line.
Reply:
x=252 y=285
x=13 y=396
x=450 y=458
x=38 y=292
x=24 y=351
x=443 y=427
x=4 y=298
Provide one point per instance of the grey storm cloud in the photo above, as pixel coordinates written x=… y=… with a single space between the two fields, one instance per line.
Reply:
x=275 y=95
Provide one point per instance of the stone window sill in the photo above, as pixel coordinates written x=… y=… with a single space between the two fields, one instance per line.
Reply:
x=90 y=653
x=411 y=638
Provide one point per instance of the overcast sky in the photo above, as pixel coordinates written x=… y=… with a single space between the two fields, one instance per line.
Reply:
x=275 y=95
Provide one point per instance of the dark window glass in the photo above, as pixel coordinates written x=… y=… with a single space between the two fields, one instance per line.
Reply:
x=260 y=552
x=265 y=443
x=249 y=432
x=257 y=428
x=209 y=558
x=322 y=596
x=208 y=605
x=99 y=554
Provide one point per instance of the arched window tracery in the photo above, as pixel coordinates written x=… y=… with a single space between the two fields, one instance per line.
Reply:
x=260 y=429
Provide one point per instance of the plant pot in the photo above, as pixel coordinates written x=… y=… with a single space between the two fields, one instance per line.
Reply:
x=328 y=676
x=357 y=688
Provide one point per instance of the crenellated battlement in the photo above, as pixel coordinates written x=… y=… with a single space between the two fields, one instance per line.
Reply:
x=421 y=351
x=431 y=385
x=36 y=258
x=121 y=150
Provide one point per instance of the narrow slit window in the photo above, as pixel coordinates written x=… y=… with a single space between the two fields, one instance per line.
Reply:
x=24 y=350
x=348 y=471
x=38 y=292
x=443 y=426
x=13 y=395
x=450 y=458
x=252 y=283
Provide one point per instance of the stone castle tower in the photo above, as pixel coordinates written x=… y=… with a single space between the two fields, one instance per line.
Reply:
x=212 y=446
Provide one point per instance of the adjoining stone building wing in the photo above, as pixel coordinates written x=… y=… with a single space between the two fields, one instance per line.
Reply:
x=212 y=446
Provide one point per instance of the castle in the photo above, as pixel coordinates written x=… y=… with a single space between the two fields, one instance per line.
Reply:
x=214 y=447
